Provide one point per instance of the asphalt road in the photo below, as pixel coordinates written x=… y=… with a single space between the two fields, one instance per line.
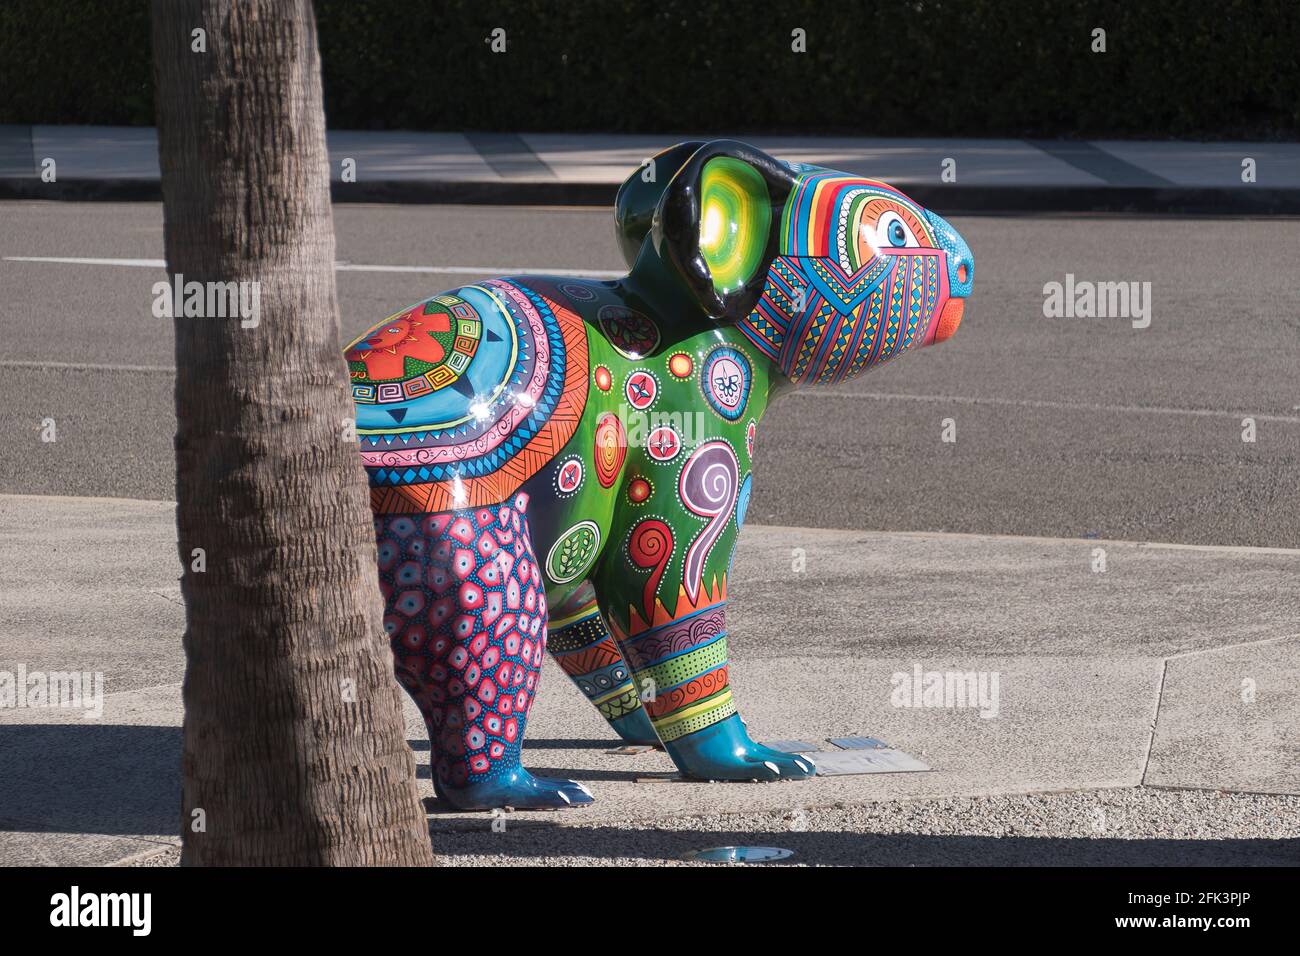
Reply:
x=1065 y=427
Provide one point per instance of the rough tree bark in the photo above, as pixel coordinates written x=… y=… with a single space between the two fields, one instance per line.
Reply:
x=294 y=749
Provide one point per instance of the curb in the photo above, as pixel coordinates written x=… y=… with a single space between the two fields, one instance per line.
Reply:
x=1181 y=200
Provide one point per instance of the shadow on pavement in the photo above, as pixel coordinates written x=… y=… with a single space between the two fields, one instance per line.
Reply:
x=90 y=778
x=536 y=841
x=125 y=781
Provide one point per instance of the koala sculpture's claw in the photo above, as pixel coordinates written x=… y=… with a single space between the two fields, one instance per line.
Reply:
x=725 y=752
x=517 y=790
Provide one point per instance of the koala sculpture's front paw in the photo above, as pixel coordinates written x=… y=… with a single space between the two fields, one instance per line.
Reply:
x=725 y=752
x=516 y=790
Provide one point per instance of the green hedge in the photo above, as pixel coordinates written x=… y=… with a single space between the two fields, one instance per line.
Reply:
x=1196 y=68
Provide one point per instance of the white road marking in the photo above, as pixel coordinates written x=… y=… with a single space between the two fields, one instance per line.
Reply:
x=1229 y=647
x=807 y=393
x=351 y=267
x=815 y=392
x=74 y=260
x=90 y=367
x=1156 y=545
x=486 y=270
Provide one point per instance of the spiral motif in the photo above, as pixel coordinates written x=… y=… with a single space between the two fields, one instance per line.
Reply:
x=649 y=547
x=708 y=486
x=610 y=448
x=697 y=688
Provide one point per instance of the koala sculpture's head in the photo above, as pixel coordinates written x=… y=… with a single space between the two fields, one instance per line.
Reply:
x=826 y=273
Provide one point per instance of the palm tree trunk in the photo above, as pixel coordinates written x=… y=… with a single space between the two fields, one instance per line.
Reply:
x=294 y=748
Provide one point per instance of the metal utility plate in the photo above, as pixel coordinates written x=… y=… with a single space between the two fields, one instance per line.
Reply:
x=858 y=743
x=792 y=746
x=833 y=763
x=667 y=776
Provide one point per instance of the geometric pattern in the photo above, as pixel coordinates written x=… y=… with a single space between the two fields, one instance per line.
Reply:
x=476 y=441
x=585 y=650
x=687 y=661
x=824 y=344
x=427 y=347
x=826 y=210
x=837 y=300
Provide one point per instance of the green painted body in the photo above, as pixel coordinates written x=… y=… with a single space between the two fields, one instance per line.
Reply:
x=684 y=329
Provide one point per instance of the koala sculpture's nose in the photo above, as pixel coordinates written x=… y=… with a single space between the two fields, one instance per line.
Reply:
x=961 y=274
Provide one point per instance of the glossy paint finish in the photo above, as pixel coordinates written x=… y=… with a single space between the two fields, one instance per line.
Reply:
x=569 y=461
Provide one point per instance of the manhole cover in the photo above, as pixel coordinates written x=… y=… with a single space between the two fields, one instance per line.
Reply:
x=740 y=854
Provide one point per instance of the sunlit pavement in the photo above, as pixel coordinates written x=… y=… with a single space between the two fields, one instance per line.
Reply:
x=1174 y=671
x=107 y=162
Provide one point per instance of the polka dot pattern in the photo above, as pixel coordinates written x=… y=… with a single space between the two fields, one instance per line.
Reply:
x=466 y=615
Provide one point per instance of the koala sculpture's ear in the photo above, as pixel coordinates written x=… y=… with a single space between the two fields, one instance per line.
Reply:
x=634 y=207
x=718 y=224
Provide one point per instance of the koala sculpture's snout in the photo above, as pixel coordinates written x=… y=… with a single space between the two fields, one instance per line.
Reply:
x=961 y=275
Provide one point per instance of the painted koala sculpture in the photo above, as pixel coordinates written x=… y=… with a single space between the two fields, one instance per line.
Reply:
x=564 y=464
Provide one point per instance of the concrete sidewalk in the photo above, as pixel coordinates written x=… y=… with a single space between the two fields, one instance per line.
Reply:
x=543 y=168
x=1147 y=714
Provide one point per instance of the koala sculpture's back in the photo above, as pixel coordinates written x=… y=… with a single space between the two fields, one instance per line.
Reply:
x=565 y=463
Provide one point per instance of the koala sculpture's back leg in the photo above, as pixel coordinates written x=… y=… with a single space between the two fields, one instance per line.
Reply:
x=582 y=645
x=466 y=614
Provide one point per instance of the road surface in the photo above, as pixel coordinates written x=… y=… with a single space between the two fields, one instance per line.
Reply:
x=1064 y=427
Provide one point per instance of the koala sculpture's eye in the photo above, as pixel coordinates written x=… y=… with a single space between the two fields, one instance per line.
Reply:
x=892 y=231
